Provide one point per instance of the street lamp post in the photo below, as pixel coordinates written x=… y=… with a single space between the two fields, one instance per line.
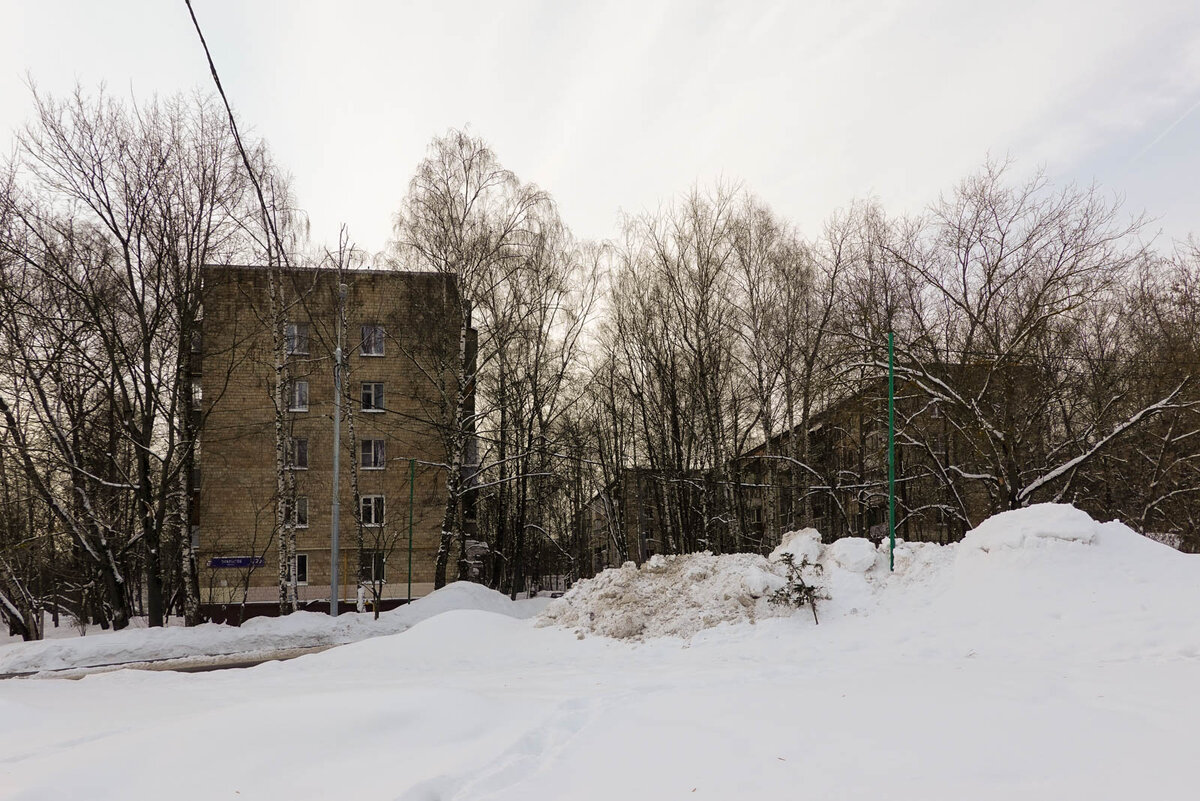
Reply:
x=334 y=530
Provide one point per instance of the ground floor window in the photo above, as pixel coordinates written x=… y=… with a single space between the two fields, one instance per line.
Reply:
x=373 y=566
x=301 y=568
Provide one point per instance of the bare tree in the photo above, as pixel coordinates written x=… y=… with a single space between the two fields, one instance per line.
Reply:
x=997 y=283
x=468 y=217
x=113 y=210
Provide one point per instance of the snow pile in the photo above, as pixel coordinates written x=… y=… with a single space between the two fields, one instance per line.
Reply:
x=853 y=554
x=679 y=596
x=1051 y=574
x=256 y=636
x=804 y=546
x=671 y=596
x=1048 y=568
x=1032 y=527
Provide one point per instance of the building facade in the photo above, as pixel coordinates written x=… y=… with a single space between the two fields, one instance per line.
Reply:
x=401 y=345
x=841 y=489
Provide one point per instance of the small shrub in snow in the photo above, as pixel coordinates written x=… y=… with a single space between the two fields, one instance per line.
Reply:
x=797 y=592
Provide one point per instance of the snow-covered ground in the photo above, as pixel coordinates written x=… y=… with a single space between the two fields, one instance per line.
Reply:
x=1045 y=657
x=260 y=635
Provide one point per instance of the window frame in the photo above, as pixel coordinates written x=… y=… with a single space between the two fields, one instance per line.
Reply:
x=301 y=502
x=378 y=506
x=376 y=394
x=293 y=387
x=293 y=451
x=295 y=336
x=373 y=557
x=378 y=458
x=301 y=582
x=374 y=328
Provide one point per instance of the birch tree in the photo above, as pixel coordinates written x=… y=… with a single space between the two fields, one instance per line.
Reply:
x=118 y=208
x=467 y=217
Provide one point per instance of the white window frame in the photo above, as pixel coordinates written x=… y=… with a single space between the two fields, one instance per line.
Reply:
x=378 y=510
x=294 y=401
x=300 y=583
x=292 y=450
x=378 y=457
x=376 y=394
x=374 y=329
x=298 y=520
x=295 y=337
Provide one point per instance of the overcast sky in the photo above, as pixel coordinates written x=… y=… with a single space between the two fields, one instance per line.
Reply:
x=619 y=106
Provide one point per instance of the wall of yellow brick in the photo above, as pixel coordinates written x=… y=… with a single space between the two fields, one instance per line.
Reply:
x=419 y=313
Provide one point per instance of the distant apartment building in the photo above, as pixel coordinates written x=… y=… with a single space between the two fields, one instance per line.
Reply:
x=400 y=343
x=842 y=490
x=620 y=523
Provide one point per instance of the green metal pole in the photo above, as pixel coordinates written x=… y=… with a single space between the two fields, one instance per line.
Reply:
x=891 y=452
x=412 y=475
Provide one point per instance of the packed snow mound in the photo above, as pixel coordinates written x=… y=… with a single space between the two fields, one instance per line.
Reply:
x=1049 y=570
x=679 y=596
x=671 y=596
x=803 y=545
x=453 y=597
x=1032 y=527
x=257 y=635
x=854 y=554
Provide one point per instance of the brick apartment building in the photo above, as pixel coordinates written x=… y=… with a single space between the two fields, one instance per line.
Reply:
x=401 y=339
x=642 y=512
x=621 y=522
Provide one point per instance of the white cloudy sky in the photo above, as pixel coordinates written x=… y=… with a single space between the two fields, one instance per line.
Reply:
x=617 y=106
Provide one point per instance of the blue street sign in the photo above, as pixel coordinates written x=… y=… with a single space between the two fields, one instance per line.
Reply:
x=237 y=561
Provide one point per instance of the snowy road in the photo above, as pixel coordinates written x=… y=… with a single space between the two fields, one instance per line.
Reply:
x=1004 y=672
x=186 y=664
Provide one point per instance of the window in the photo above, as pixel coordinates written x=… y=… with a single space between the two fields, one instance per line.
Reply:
x=372 y=396
x=372 y=340
x=373 y=566
x=298 y=397
x=296 y=336
x=372 y=510
x=297 y=454
x=297 y=513
x=374 y=455
x=301 y=568
x=197 y=394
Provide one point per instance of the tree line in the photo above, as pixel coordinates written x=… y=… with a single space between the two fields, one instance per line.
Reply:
x=704 y=346
x=1045 y=351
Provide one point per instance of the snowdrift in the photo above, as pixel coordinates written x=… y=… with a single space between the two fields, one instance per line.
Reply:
x=1046 y=656
x=257 y=635
x=1049 y=571
x=670 y=596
